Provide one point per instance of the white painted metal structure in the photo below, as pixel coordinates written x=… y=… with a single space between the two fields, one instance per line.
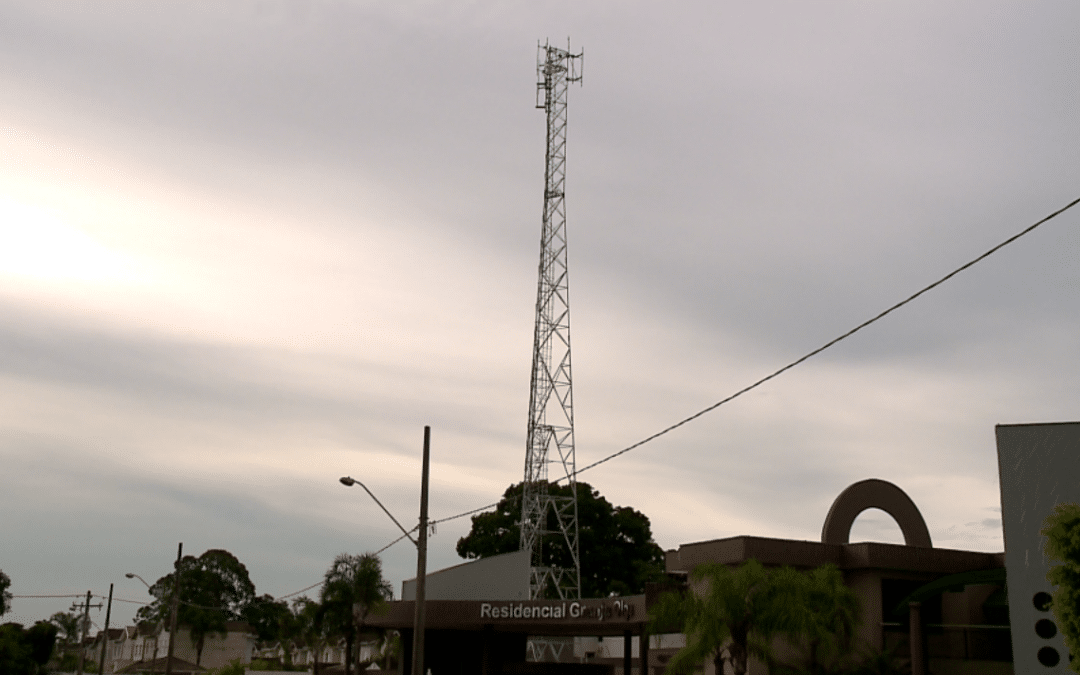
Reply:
x=1039 y=467
x=556 y=570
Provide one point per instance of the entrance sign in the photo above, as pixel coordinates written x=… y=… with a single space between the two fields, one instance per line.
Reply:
x=588 y=616
x=1039 y=467
x=577 y=610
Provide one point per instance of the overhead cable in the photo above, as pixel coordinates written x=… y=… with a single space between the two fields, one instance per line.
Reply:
x=784 y=369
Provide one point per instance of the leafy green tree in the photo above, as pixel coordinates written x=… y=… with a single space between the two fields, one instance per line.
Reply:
x=14 y=652
x=273 y=621
x=733 y=615
x=41 y=639
x=353 y=589
x=5 y=594
x=1062 y=531
x=25 y=652
x=618 y=554
x=214 y=589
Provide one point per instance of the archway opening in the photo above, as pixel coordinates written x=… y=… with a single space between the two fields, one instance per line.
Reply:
x=876 y=525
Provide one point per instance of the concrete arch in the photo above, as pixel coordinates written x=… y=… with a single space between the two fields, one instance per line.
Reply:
x=877 y=494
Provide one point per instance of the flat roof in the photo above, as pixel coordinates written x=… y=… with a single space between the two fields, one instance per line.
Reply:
x=810 y=554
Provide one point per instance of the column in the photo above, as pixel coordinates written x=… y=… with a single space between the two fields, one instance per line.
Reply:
x=915 y=639
x=406 y=652
x=643 y=652
x=627 y=654
x=486 y=665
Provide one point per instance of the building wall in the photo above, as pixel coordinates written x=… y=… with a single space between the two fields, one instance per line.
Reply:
x=218 y=650
x=500 y=577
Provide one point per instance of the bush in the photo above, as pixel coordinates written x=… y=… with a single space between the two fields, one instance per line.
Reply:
x=234 y=668
x=263 y=664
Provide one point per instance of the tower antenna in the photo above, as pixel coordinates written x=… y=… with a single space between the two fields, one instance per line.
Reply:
x=555 y=567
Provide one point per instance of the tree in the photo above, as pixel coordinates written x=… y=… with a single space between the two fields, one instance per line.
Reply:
x=68 y=625
x=14 y=652
x=273 y=621
x=214 y=589
x=41 y=640
x=25 y=652
x=618 y=554
x=1062 y=531
x=5 y=594
x=310 y=628
x=826 y=613
x=737 y=613
x=733 y=615
x=354 y=589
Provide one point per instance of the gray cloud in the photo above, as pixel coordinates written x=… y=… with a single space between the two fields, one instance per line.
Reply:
x=745 y=182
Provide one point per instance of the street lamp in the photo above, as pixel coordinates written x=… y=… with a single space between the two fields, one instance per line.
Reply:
x=421 y=553
x=348 y=481
x=131 y=575
x=175 y=603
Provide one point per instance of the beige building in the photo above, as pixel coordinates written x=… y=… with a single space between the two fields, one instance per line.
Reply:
x=945 y=607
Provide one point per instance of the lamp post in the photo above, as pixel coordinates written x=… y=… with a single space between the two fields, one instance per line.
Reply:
x=132 y=575
x=175 y=603
x=175 y=606
x=421 y=552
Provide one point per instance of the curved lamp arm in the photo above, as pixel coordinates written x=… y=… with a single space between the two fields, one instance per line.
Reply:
x=349 y=482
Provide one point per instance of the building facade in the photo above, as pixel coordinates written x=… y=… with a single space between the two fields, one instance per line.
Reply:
x=944 y=610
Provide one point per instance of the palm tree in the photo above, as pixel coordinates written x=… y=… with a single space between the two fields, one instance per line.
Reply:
x=734 y=617
x=68 y=624
x=353 y=589
x=826 y=614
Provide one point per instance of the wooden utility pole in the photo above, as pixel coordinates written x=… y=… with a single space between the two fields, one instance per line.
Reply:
x=85 y=626
x=105 y=634
x=175 y=604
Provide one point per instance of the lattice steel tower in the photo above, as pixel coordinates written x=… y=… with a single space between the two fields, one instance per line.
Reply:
x=551 y=403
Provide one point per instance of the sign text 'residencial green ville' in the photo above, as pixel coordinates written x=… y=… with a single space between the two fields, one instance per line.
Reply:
x=563 y=610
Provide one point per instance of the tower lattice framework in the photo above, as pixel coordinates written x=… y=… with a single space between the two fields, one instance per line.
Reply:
x=551 y=402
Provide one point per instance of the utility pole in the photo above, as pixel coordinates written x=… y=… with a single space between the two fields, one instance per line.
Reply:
x=175 y=604
x=551 y=401
x=421 y=563
x=85 y=629
x=105 y=634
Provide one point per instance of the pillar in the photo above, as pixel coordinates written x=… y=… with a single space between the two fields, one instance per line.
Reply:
x=643 y=652
x=627 y=653
x=406 y=652
x=486 y=665
x=915 y=639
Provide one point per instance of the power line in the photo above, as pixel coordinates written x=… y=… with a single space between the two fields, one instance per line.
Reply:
x=809 y=355
x=832 y=342
x=320 y=583
x=317 y=583
x=784 y=369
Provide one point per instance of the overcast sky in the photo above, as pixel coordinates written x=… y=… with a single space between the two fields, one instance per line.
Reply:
x=249 y=247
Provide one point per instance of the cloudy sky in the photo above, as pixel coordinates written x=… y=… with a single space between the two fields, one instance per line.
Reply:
x=249 y=247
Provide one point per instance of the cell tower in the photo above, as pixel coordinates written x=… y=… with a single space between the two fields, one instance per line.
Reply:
x=551 y=402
